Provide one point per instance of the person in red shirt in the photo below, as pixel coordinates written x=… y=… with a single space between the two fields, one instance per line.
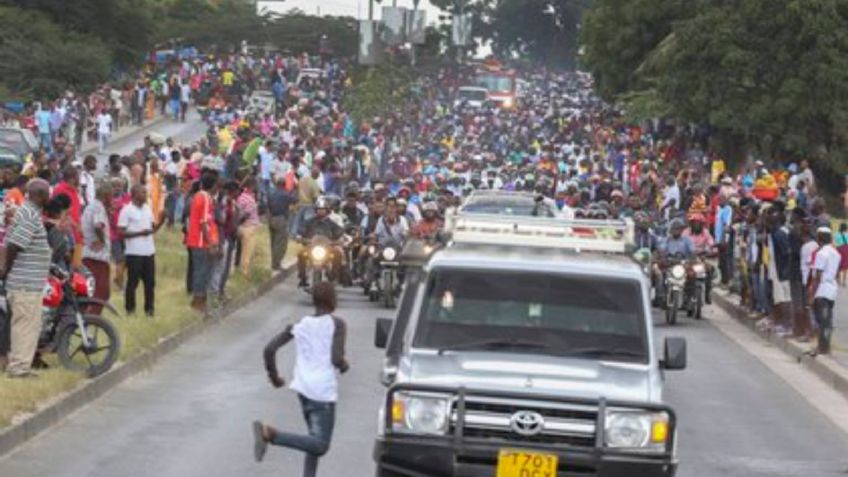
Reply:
x=202 y=239
x=70 y=187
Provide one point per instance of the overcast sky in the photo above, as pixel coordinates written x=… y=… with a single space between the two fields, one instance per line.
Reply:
x=353 y=8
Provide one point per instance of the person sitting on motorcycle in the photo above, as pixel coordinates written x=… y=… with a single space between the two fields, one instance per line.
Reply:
x=430 y=224
x=391 y=227
x=675 y=245
x=403 y=211
x=320 y=226
x=704 y=246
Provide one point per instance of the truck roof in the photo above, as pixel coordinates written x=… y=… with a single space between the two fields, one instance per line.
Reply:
x=530 y=259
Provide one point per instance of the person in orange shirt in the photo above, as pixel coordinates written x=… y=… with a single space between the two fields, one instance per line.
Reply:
x=202 y=239
x=15 y=195
x=155 y=189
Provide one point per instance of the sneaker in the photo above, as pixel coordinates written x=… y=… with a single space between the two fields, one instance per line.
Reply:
x=22 y=375
x=260 y=445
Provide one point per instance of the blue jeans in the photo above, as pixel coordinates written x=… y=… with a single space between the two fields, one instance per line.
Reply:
x=823 y=312
x=320 y=419
x=760 y=285
x=46 y=141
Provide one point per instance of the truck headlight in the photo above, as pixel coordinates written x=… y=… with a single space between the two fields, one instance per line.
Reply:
x=636 y=430
x=389 y=254
x=319 y=253
x=678 y=271
x=508 y=103
x=420 y=413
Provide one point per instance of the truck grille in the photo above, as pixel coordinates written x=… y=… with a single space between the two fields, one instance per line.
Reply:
x=491 y=419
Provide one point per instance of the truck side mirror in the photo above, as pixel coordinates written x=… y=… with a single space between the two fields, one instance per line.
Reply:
x=674 y=355
x=381 y=332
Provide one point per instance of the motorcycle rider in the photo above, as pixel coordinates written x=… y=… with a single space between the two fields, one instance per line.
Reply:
x=322 y=225
x=430 y=223
x=675 y=245
x=704 y=245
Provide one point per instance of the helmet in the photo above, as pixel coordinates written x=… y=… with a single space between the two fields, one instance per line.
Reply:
x=401 y=201
x=676 y=224
x=322 y=203
x=429 y=207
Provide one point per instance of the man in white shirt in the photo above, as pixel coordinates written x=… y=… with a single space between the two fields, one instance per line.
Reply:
x=104 y=130
x=320 y=354
x=823 y=287
x=671 y=198
x=87 y=179
x=137 y=226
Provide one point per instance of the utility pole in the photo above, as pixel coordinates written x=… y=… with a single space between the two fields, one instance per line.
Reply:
x=412 y=44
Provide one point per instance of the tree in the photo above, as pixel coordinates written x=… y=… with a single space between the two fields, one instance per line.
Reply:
x=126 y=26
x=379 y=91
x=543 y=31
x=38 y=59
x=618 y=36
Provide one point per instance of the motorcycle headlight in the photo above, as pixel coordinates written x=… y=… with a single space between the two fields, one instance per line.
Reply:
x=372 y=249
x=636 y=430
x=319 y=253
x=389 y=253
x=678 y=271
x=420 y=413
x=699 y=268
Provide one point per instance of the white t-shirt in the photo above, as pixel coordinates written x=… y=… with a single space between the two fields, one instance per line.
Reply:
x=137 y=219
x=827 y=261
x=104 y=123
x=807 y=258
x=185 y=93
x=314 y=373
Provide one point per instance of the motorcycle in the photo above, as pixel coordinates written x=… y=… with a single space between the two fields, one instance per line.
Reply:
x=82 y=341
x=320 y=258
x=685 y=288
x=388 y=279
x=674 y=278
x=696 y=287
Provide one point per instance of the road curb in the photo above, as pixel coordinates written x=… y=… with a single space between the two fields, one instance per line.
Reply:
x=88 y=391
x=830 y=371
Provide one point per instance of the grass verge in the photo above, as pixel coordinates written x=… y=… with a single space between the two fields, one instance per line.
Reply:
x=138 y=333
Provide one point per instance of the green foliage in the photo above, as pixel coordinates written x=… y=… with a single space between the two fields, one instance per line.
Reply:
x=619 y=35
x=543 y=31
x=39 y=59
x=126 y=26
x=378 y=91
x=204 y=24
x=298 y=32
x=772 y=74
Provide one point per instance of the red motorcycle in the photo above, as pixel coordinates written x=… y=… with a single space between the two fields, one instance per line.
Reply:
x=82 y=341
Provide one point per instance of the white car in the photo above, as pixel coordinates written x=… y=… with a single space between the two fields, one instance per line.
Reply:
x=472 y=96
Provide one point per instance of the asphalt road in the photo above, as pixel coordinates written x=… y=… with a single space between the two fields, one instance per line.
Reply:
x=190 y=415
x=182 y=133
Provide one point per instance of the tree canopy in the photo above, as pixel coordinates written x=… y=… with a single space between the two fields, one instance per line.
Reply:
x=47 y=46
x=771 y=75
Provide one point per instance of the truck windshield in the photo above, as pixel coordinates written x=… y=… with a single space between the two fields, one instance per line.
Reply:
x=496 y=83
x=471 y=95
x=564 y=315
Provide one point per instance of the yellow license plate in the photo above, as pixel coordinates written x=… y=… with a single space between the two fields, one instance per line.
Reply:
x=519 y=463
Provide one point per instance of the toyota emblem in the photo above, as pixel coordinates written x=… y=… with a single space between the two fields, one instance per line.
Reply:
x=527 y=423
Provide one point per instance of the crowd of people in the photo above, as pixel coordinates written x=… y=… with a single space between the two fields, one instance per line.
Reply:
x=306 y=168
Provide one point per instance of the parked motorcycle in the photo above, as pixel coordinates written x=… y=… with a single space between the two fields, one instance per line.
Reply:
x=82 y=341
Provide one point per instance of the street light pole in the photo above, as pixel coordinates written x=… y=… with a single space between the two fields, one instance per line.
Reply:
x=412 y=44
